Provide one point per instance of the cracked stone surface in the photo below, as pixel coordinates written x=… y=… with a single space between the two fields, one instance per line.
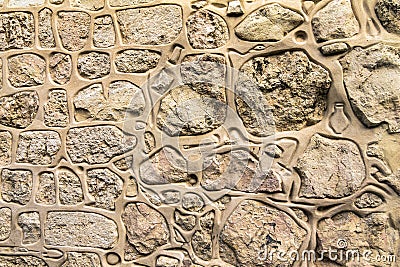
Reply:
x=19 y=110
x=60 y=66
x=16 y=186
x=17 y=30
x=26 y=70
x=29 y=222
x=268 y=23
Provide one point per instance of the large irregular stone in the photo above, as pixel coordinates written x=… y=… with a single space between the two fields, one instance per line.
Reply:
x=21 y=261
x=38 y=147
x=330 y=168
x=104 y=186
x=92 y=5
x=146 y=228
x=26 y=70
x=94 y=65
x=56 y=112
x=5 y=148
x=372 y=80
x=60 y=66
x=122 y=3
x=82 y=259
x=80 y=229
x=335 y=21
x=18 y=110
x=29 y=222
x=123 y=97
x=5 y=223
x=254 y=227
x=136 y=60
x=73 y=28
x=155 y=25
x=97 y=144
x=69 y=187
x=205 y=68
x=388 y=13
x=192 y=109
x=294 y=89
x=268 y=23
x=103 y=32
x=165 y=166
x=46 y=193
x=373 y=232
x=17 y=30
x=16 y=186
x=202 y=238
x=206 y=30
x=46 y=36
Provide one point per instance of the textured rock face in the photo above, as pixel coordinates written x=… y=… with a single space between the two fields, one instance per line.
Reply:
x=335 y=21
x=268 y=23
x=203 y=68
x=5 y=223
x=5 y=147
x=136 y=61
x=92 y=5
x=46 y=36
x=368 y=200
x=22 y=261
x=94 y=65
x=146 y=228
x=80 y=229
x=18 y=110
x=46 y=193
x=26 y=70
x=60 y=68
x=243 y=247
x=294 y=88
x=103 y=32
x=73 y=29
x=82 y=259
x=85 y=144
x=388 y=13
x=38 y=147
x=371 y=80
x=330 y=168
x=56 y=112
x=70 y=188
x=17 y=30
x=206 y=30
x=30 y=225
x=16 y=186
x=150 y=25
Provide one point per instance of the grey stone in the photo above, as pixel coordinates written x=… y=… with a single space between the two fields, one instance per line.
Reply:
x=60 y=66
x=103 y=32
x=38 y=147
x=80 y=229
x=206 y=29
x=94 y=65
x=46 y=36
x=171 y=196
x=203 y=68
x=69 y=187
x=46 y=193
x=192 y=202
x=271 y=22
x=73 y=28
x=136 y=60
x=26 y=70
x=17 y=30
x=56 y=112
x=19 y=110
x=5 y=148
x=16 y=186
x=368 y=200
x=154 y=25
x=5 y=223
x=334 y=49
x=29 y=222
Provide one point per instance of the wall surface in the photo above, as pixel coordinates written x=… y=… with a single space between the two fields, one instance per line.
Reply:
x=206 y=133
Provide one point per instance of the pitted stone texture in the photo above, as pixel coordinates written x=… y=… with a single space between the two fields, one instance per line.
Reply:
x=97 y=144
x=73 y=28
x=294 y=89
x=269 y=23
x=22 y=261
x=372 y=80
x=26 y=70
x=46 y=36
x=149 y=142
x=123 y=97
x=186 y=222
x=388 y=13
x=16 y=186
x=202 y=238
x=103 y=32
x=80 y=229
x=29 y=222
x=206 y=30
x=17 y=30
x=166 y=261
x=60 y=68
x=56 y=112
x=104 y=186
x=38 y=147
x=254 y=225
x=205 y=68
x=334 y=49
x=136 y=61
x=46 y=193
x=192 y=109
x=165 y=166
x=92 y=5
x=122 y=3
x=373 y=232
x=70 y=187
x=335 y=21
x=5 y=148
x=156 y=25
x=124 y=164
x=5 y=223
x=192 y=202
x=368 y=200
x=146 y=228
x=330 y=168
x=18 y=110
x=82 y=259
x=94 y=65
x=25 y=3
